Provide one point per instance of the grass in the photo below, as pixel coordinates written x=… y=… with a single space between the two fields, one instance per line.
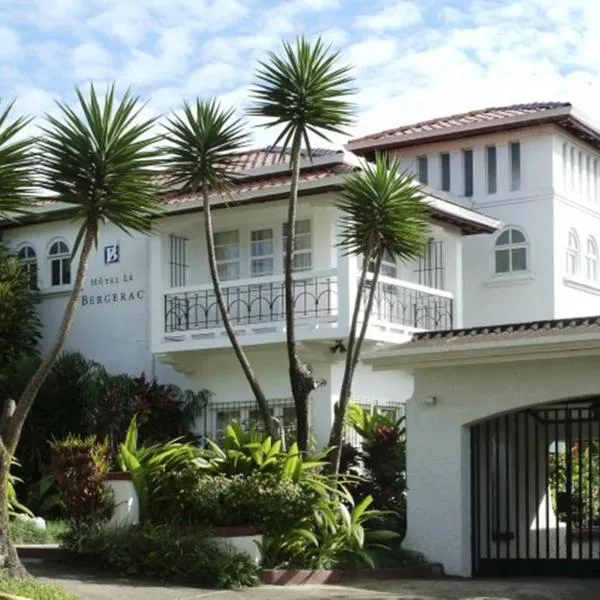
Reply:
x=25 y=532
x=34 y=590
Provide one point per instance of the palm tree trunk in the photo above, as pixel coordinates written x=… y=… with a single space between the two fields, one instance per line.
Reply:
x=355 y=341
x=10 y=564
x=261 y=401
x=12 y=422
x=301 y=380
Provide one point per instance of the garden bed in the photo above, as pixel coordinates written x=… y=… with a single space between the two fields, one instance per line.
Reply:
x=320 y=576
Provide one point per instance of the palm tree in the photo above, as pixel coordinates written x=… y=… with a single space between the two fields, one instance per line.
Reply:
x=16 y=164
x=303 y=91
x=383 y=214
x=102 y=164
x=202 y=148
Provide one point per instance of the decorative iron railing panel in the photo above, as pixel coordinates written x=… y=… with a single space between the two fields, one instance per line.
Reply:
x=250 y=304
x=411 y=305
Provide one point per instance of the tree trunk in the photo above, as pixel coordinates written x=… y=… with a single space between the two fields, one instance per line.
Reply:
x=261 y=401
x=12 y=422
x=301 y=379
x=10 y=564
x=355 y=340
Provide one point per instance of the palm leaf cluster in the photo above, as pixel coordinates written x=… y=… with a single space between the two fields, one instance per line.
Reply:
x=383 y=212
x=305 y=90
x=102 y=163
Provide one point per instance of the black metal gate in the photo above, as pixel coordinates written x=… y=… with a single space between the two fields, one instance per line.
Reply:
x=535 y=481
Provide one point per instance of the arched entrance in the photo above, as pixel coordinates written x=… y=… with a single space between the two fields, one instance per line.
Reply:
x=535 y=482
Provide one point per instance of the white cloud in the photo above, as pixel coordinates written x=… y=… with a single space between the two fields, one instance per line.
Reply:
x=91 y=61
x=394 y=16
x=370 y=53
x=10 y=44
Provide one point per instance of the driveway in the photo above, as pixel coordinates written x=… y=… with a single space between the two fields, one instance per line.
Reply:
x=93 y=587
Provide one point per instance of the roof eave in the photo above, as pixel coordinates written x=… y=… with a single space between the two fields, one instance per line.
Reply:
x=364 y=146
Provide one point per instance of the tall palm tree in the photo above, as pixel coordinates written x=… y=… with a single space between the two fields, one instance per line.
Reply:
x=304 y=90
x=16 y=164
x=102 y=164
x=201 y=152
x=383 y=214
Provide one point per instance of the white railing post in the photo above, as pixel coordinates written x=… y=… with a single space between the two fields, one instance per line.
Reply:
x=347 y=285
x=156 y=291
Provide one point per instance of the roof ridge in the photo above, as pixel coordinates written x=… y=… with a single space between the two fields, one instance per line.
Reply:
x=524 y=106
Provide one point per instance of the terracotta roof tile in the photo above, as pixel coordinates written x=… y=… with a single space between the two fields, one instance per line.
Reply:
x=514 y=331
x=461 y=120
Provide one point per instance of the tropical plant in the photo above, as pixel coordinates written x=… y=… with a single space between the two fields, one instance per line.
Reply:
x=17 y=165
x=14 y=506
x=143 y=462
x=383 y=214
x=333 y=536
x=302 y=91
x=32 y=589
x=20 y=324
x=202 y=148
x=79 y=467
x=102 y=164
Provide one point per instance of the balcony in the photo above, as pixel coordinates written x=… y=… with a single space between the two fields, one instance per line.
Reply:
x=322 y=303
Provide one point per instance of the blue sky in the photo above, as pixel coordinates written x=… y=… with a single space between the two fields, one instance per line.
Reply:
x=413 y=60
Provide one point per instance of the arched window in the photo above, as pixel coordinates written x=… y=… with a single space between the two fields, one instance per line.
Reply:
x=511 y=252
x=28 y=258
x=60 y=263
x=573 y=252
x=591 y=259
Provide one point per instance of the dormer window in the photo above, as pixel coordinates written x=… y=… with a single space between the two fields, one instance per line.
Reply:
x=60 y=264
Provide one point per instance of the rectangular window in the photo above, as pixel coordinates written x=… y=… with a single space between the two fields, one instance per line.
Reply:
x=227 y=252
x=61 y=271
x=262 y=257
x=468 y=171
x=514 y=152
x=177 y=260
x=445 y=171
x=302 y=245
x=422 y=171
x=491 y=169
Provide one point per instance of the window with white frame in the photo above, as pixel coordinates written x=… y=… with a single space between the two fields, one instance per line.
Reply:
x=227 y=253
x=389 y=267
x=511 y=252
x=59 y=258
x=262 y=254
x=302 y=258
x=573 y=251
x=591 y=259
x=422 y=169
x=28 y=259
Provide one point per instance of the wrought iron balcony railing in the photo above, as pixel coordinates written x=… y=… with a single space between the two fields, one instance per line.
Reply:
x=411 y=304
x=252 y=302
x=256 y=303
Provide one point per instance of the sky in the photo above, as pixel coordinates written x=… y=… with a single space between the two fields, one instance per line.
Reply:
x=412 y=60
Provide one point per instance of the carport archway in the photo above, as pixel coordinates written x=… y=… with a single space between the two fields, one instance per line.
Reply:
x=535 y=483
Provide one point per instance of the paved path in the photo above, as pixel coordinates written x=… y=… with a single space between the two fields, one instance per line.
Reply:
x=99 y=588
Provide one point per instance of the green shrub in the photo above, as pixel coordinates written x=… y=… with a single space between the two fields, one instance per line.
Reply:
x=79 y=466
x=164 y=552
x=34 y=589
x=25 y=532
x=262 y=500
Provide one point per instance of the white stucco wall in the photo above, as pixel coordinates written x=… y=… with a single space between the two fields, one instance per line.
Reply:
x=112 y=320
x=438 y=440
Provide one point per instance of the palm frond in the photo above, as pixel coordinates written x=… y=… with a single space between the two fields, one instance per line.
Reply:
x=102 y=161
x=383 y=211
x=306 y=90
x=203 y=145
x=17 y=164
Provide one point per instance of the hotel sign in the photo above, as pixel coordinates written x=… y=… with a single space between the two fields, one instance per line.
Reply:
x=105 y=292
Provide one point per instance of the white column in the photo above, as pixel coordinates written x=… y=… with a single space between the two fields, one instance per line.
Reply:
x=347 y=269
x=155 y=292
x=322 y=405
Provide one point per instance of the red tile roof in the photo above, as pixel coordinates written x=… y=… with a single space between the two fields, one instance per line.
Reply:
x=494 y=116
